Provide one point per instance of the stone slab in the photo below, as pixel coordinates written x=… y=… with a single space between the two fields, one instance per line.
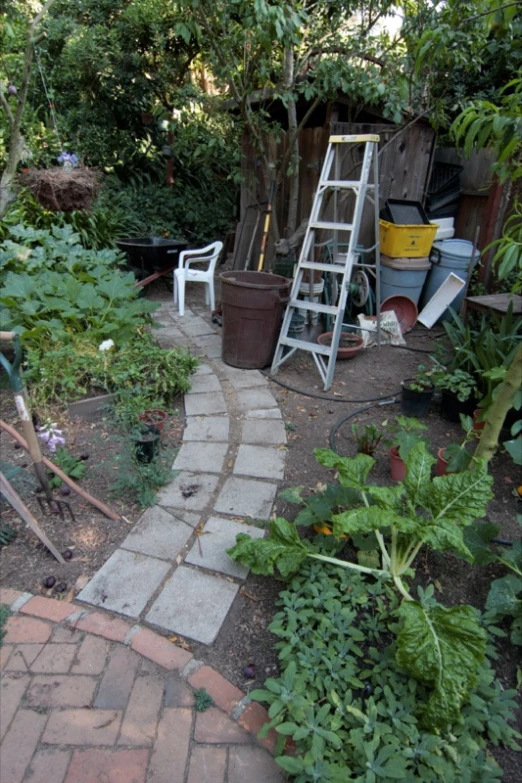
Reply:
x=193 y=604
x=244 y=379
x=126 y=583
x=264 y=413
x=210 y=550
x=209 y=346
x=196 y=455
x=205 y=383
x=189 y=491
x=203 y=369
x=243 y=497
x=159 y=534
x=263 y=431
x=207 y=428
x=194 y=326
x=252 y=399
x=197 y=404
x=260 y=462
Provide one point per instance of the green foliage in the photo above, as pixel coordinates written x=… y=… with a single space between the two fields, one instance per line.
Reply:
x=321 y=505
x=368 y=439
x=202 y=700
x=53 y=288
x=137 y=481
x=7 y=534
x=4 y=614
x=71 y=466
x=139 y=372
x=404 y=433
x=422 y=380
x=505 y=594
x=351 y=708
x=419 y=511
x=459 y=382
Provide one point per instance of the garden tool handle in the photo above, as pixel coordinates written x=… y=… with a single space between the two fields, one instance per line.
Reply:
x=7 y=336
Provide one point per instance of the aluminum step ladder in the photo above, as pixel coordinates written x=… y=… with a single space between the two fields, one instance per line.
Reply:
x=332 y=186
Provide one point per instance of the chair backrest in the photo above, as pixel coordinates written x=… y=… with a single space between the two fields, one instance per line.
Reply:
x=209 y=253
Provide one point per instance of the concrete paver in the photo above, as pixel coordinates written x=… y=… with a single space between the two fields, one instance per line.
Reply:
x=210 y=550
x=243 y=497
x=125 y=583
x=263 y=431
x=249 y=399
x=204 y=402
x=205 y=383
x=190 y=491
x=260 y=461
x=207 y=428
x=193 y=604
x=197 y=455
x=158 y=534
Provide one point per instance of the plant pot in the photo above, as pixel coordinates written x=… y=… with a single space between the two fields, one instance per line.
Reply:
x=441 y=468
x=397 y=465
x=147 y=444
x=478 y=425
x=349 y=344
x=451 y=407
x=154 y=417
x=415 y=403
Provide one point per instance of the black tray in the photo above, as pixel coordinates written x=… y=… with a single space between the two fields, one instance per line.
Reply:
x=406 y=213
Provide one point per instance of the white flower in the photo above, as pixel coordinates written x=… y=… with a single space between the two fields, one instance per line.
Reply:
x=106 y=345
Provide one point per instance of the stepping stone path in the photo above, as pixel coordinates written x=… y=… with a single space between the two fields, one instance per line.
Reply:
x=172 y=571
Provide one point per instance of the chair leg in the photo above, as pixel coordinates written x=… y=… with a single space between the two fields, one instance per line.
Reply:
x=180 y=279
x=175 y=289
x=211 y=296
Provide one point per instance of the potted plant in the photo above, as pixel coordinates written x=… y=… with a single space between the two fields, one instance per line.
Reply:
x=154 y=416
x=146 y=442
x=417 y=393
x=459 y=392
x=405 y=434
x=456 y=457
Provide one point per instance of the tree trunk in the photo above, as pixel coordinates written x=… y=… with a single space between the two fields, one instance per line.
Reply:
x=496 y=414
x=293 y=183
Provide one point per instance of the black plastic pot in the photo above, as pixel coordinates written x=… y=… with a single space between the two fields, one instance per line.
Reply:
x=451 y=407
x=147 y=444
x=415 y=403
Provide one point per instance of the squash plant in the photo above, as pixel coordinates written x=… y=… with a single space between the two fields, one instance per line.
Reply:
x=440 y=646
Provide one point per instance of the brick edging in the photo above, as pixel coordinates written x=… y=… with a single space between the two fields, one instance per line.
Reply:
x=251 y=716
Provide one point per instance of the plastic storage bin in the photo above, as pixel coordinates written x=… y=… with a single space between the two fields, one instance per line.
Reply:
x=403 y=277
x=406 y=241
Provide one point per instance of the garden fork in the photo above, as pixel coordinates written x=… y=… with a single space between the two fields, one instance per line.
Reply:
x=15 y=379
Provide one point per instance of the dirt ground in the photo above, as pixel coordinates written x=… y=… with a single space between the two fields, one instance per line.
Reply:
x=313 y=419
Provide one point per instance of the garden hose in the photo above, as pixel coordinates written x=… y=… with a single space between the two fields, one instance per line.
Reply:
x=337 y=426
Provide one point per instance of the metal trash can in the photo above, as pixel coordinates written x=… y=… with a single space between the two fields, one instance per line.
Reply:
x=253 y=305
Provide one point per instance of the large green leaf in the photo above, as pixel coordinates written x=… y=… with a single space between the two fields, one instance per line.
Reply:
x=503 y=597
x=282 y=548
x=442 y=647
x=368 y=519
x=477 y=537
x=418 y=474
x=462 y=497
x=352 y=471
x=444 y=535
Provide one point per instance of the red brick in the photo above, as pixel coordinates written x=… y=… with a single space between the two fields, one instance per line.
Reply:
x=23 y=656
x=48 y=765
x=109 y=766
x=5 y=653
x=116 y=685
x=225 y=695
x=253 y=719
x=141 y=716
x=60 y=690
x=177 y=694
x=48 y=609
x=63 y=634
x=54 y=659
x=82 y=727
x=214 y=727
x=21 y=630
x=8 y=596
x=103 y=625
x=90 y=656
x=160 y=650
x=207 y=765
x=12 y=688
x=19 y=745
x=170 y=754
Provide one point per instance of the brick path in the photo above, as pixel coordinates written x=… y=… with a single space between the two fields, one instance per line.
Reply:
x=86 y=697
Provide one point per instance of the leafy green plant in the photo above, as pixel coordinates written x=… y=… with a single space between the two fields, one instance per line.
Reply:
x=459 y=382
x=7 y=534
x=139 y=481
x=71 y=466
x=420 y=511
x=422 y=380
x=404 y=433
x=505 y=594
x=368 y=439
x=457 y=455
x=4 y=614
x=202 y=700
x=350 y=707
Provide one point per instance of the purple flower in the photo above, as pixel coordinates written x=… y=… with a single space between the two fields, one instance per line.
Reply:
x=52 y=436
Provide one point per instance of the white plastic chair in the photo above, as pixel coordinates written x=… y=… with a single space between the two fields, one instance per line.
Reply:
x=186 y=273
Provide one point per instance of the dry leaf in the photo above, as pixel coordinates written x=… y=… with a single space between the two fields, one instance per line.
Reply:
x=230 y=463
x=81 y=582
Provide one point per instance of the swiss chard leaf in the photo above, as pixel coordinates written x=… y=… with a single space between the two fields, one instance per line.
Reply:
x=461 y=497
x=282 y=548
x=503 y=596
x=442 y=647
x=352 y=471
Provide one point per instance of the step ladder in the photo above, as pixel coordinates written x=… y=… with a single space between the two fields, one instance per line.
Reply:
x=332 y=186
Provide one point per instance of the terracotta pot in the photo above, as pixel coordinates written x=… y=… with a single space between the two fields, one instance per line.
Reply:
x=349 y=344
x=155 y=417
x=397 y=465
x=478 y=425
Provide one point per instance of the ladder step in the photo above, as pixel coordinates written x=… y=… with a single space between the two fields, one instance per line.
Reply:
x=325 y=350
x=365 y=138
x=315 y=307
x=323 y=266
x=343 y=184
x=334 y=226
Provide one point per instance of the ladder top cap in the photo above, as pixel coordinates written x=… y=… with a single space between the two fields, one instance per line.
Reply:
x=358 y=137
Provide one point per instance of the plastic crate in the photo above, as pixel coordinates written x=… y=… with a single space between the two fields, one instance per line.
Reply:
x=405 y=213
x=407 y=241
